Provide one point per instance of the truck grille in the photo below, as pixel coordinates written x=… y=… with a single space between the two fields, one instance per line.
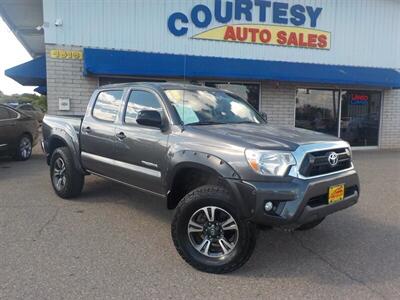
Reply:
x=318 y=163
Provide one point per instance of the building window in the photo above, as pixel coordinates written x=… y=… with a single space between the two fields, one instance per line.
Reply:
x=248 y=91
x=107 y=105
x=351 y=115
x=360 y=117
x=318 y=110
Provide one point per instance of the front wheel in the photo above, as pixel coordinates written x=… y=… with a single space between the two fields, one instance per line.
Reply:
x=66 y=180
x=208 y=232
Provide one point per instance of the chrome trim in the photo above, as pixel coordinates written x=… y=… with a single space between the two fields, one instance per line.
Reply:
x=43 y=148
x=3 y=145
x=123 y=165
x=149 y=164
x=14 y=111
x=303 y=150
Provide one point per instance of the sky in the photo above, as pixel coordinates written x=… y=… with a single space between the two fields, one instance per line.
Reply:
x=12 y=53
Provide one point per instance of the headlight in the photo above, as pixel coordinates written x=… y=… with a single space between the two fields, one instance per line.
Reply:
x=270 y=163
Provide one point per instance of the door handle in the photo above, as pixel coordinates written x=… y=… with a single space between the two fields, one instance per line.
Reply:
x=121 y=136
x=87 y=129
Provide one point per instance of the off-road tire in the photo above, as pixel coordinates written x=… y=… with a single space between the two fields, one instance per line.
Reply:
x=310 y=225
x=74 y=179
x=218 y=196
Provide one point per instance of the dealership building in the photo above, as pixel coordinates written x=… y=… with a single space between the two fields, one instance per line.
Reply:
x=328 y=66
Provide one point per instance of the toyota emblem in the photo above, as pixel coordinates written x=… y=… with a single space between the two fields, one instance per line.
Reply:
x=333 y=159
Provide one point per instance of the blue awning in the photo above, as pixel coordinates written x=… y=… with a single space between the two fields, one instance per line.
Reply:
x=42 y=90
x=31 y=73
x=128 y=63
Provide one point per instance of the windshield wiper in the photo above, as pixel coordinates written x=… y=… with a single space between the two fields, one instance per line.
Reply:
x=205 y=123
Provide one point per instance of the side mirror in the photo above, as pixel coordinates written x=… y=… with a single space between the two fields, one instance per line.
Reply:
x=150 y=118
x=264 y=116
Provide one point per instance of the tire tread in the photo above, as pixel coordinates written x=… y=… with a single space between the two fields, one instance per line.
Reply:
x=223 y=193
x=77 y=179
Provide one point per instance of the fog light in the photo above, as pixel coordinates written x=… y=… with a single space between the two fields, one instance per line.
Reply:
x=268 y=206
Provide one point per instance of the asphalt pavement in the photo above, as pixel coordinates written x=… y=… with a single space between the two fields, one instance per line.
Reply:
x=114 y=243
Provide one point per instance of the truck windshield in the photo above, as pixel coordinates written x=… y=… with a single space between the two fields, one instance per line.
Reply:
x=202 y=107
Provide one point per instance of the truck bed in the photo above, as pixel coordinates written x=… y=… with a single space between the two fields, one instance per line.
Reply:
x=74 y=121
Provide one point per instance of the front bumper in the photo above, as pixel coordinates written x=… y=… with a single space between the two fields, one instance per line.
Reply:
x=297 y=201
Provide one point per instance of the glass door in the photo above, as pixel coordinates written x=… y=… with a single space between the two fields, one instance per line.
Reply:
x=360 y=118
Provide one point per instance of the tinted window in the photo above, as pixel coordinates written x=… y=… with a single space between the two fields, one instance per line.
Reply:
x=140 y=100
x=107 y=105
x=318 y=110
x=361 y=113
x=12 y=114
x=4 y=114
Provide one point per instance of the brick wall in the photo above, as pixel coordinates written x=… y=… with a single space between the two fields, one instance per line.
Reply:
x=390 y=131
x=279 y=103
x=65 y=80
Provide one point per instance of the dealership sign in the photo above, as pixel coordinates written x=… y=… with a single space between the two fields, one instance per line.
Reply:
x=254 y=22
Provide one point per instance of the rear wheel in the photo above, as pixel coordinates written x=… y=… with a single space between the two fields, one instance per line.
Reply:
x=24 y=148
x=66 y=180
x=208 y=232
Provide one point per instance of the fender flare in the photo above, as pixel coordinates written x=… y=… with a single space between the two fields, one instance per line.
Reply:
x=199 y=160
x=67 y=140
x=196 y=159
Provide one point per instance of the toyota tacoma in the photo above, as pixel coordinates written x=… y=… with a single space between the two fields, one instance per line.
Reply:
x=210 y=156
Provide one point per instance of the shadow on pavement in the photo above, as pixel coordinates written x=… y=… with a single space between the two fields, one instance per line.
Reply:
x=354 y=247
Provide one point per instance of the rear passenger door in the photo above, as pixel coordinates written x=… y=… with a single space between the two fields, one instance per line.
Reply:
x=141 y=152
x=98 y=132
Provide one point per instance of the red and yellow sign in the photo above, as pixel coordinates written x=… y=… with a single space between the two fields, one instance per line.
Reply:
x=269 y=35
x=336 y=193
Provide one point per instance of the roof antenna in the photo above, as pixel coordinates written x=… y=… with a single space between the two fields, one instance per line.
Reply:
x=184 y=89
x=184 y=84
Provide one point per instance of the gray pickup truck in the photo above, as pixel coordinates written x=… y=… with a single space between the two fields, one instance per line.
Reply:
x=211 y=157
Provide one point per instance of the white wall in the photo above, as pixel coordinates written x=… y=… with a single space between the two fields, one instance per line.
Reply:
x=364 y=32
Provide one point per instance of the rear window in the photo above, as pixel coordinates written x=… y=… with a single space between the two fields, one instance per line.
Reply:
x=107 y=105
x=12 y=114
x=6 y=114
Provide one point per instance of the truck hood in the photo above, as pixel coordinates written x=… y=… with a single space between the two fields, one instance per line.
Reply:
x=263 y=136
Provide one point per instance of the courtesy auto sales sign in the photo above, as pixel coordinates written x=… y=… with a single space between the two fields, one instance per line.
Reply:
x=254 y=22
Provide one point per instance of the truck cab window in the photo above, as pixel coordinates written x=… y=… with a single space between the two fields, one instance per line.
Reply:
x=138 y=101
x=107 y=105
